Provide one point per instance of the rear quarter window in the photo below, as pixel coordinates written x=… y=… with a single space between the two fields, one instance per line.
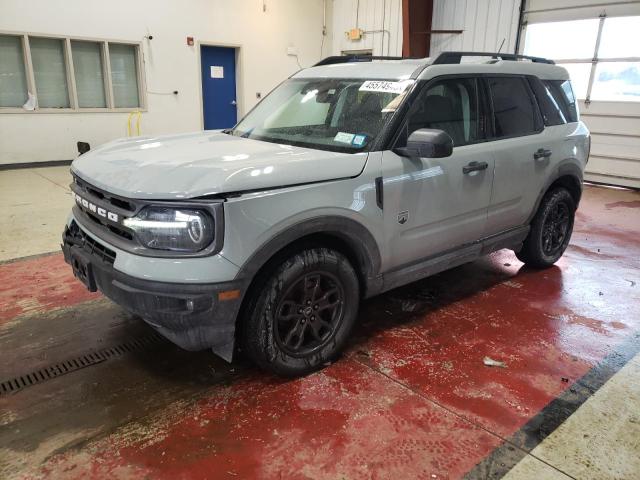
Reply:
x=551 y=112
x=562 y=93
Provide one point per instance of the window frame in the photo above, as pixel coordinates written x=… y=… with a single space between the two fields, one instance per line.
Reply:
x=538 y=120
x=594 y=60
x=106 y=79
x=482 y=105
x=70 y=73
x=540 y=91
x=26 y=63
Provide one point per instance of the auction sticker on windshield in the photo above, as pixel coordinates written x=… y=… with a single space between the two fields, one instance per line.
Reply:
x=359 y=140
x=343 y=137
x=384 y=86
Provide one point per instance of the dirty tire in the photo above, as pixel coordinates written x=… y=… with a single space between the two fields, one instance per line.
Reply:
x=551 y=230
x=301 y=313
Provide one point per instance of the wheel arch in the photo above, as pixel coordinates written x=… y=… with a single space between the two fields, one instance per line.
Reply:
x=345 y=235
x=567 y=175
x=571 y=183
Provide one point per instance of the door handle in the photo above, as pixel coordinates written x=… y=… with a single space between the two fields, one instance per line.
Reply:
x=542 y=153
x=474 y=167
x=233 y=102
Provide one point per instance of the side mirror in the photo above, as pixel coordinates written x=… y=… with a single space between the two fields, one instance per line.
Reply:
x=83 y=147
x=427 y=143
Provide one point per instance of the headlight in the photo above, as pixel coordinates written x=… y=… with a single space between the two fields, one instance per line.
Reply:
x=179 y=230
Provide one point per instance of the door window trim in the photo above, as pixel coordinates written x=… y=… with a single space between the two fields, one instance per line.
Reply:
x=422 y=86
x=538 y=120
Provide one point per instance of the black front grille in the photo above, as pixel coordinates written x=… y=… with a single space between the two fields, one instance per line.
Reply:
x=104 y=215
x=111 y=227
x=75 y=236
x=100 y=199
x=119 y=202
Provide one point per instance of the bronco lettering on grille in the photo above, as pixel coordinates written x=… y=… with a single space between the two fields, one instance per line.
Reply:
x=83 y=202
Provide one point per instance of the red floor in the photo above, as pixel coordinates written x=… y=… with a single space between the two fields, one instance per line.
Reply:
x=411 y=398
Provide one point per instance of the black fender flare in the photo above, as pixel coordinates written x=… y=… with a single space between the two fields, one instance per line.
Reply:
x=567 y=168
x=358 y=238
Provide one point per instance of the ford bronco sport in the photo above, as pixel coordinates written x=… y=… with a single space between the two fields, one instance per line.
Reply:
x=353 y=177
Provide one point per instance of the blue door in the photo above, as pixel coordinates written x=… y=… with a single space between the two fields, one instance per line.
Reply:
x=218 y=87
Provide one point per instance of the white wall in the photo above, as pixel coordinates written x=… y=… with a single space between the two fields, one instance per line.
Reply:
x=381 y=18
x=169 y=63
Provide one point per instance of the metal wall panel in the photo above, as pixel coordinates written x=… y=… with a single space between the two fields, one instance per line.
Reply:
x=615 y=142
x=486 y=24
x=380 y=19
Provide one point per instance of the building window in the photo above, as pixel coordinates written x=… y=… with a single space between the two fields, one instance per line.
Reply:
x=50 y=72
x=89 y=74
x=604 y=63
x=13 y=79
x=69 y=74
x=123 y=75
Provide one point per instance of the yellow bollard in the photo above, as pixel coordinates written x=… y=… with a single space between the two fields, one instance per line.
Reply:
x=138 y=115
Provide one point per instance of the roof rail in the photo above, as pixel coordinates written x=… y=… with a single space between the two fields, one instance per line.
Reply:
x=456 y=57
x=353 y=58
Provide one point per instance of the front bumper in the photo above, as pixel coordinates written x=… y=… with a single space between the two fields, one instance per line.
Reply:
x=193 y=316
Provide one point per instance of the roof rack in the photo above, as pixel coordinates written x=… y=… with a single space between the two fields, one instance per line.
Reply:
x=456 y=57
x=353 y=58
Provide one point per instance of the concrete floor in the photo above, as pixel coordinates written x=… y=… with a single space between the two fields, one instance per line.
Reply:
x=33 y=214
x=411 y=397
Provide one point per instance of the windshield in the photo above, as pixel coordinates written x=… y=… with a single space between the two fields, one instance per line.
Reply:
x=329 y=114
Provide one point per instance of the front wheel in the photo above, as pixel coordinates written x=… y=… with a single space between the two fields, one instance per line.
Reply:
x=302 y=315
x=551 y=230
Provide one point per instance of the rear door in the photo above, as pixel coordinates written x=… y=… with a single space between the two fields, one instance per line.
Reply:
x=430 y=204
x=523 y=152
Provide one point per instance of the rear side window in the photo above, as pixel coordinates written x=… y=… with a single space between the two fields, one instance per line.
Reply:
x=515 y=112
x=551 y=112
x=562 y=93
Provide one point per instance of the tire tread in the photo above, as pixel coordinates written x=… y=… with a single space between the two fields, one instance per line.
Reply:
x=255 y=334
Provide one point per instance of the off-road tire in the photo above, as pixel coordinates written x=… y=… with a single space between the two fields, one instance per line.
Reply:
x=537 y=250
x=263 y=336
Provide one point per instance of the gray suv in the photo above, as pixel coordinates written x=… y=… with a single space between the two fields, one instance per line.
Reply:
x=353 y=177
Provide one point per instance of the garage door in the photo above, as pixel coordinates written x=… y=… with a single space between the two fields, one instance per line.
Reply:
x=599 y=43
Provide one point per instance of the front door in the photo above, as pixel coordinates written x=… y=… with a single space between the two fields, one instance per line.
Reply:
x=219 y=102
x=430 y=204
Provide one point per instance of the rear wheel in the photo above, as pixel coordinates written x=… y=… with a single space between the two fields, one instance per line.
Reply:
x=300 y=318
x=551 y=230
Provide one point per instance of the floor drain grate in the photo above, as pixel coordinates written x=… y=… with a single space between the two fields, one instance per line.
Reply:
x=21 y=382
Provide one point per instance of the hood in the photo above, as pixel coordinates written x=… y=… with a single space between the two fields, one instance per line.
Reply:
x=204 y=163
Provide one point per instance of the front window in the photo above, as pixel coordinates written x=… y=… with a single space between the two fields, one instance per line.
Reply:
x=329 y=114
x=449 y=105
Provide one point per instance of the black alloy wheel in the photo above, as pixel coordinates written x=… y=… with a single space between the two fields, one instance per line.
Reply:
x=308 y=314
x=550 y=230
x=554 y=228
x=300 y=311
